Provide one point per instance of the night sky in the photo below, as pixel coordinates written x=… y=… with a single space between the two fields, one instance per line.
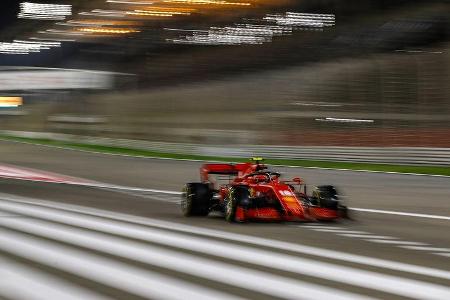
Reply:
x=8 y=11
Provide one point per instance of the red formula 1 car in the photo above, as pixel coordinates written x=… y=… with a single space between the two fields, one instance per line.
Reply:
x=253 y=192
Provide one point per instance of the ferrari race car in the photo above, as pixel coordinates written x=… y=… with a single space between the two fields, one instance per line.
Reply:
x=250 y=191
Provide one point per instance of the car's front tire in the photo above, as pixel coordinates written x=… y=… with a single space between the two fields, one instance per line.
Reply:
x=326 y=196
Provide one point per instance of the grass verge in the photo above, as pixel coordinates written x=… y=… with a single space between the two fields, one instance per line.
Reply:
x=429 y=170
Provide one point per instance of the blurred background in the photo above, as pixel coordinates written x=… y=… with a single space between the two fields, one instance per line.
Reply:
x=285 y=72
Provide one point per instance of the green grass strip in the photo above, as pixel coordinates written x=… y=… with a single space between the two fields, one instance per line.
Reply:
x=430 y=170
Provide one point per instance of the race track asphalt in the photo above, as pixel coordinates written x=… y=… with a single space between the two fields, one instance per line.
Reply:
x=421 y=244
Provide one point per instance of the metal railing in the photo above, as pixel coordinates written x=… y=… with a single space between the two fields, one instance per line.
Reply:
x=387 y=155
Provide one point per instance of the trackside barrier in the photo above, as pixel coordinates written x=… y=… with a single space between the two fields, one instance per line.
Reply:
x=388 y=155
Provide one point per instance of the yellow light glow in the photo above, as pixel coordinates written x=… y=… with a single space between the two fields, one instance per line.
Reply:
x=108 y=30
x=169 y=9
x=10 y=101
x=104 y=22
x=208 y=2
x=161 y=11
x=153 y=14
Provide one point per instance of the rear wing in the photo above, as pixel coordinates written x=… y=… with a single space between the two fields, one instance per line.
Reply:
x=239 y=169
x=221 y=169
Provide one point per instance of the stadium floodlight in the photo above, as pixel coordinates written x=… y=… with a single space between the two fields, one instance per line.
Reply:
x=26 y=47
x=40 y=11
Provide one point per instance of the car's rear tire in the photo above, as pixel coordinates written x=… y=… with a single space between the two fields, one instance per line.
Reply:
x=196 y=199
x=236 y=196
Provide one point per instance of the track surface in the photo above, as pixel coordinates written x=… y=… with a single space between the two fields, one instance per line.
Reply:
x=80 y=242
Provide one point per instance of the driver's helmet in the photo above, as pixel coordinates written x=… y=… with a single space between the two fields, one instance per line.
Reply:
x=260 y=177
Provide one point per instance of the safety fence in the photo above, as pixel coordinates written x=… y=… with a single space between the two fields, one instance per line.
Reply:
x=388 y=155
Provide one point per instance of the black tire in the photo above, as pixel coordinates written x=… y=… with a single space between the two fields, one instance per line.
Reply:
x=326 y=196
x=237 y=195
x=196 y=199
x=343 y=212
x=327 y=190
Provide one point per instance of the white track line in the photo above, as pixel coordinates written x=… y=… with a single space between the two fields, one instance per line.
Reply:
x=274 y=285
x=340 y=231
x=366 y=171
x=98 y=185
x=8 y=216
x=314 y=227
x=22 y=282
x=442 y=254
x=382 y=239
x=365 y=236
x=421 y=248
x=275 y=244
x=269 y=259
x=107 y=271
x=395 y=242
x=22 y=173
x=151 y=196
x=131 y=189
x=399 y=213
